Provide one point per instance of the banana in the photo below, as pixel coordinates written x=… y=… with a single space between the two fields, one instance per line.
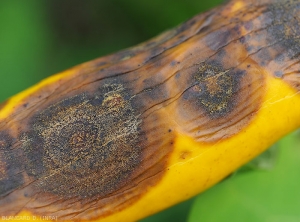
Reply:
x=127 y=135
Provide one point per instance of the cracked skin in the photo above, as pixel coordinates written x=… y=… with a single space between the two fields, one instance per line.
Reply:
x=129 y=134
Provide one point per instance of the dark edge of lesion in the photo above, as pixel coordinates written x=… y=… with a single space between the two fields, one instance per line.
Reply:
x=11 y=165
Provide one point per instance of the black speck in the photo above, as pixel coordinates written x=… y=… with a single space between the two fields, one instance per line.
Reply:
x=242 y=40
x=177 y=76
x=173 y=63
x=278 y=74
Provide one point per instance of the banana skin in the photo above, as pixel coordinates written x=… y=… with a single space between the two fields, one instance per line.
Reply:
x=127 y=135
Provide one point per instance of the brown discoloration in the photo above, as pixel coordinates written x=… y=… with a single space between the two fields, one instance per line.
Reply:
x=10 y=166
x=84 y=146
x=221 y=101
x=287 y=31
x=184 y=155
x=217 y=87
x=3 y=104
x=95 y=141
x=93 y=148
x=277 y=46
x=3 y=145
x=90 y=152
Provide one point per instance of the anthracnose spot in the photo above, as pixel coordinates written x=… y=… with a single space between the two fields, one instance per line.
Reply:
x=219 y=101
x=86 y=145
x=285 y=27
x=215 y=89
x=223 y=37
x=10 y=165
x=285 y=30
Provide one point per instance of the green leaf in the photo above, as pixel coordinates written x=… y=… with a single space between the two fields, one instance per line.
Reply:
x=176 y=213
x=23 y=41
x=258 y=195
x=265 y=161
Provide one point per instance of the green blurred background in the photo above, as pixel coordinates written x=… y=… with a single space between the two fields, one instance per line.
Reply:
x=42 y=37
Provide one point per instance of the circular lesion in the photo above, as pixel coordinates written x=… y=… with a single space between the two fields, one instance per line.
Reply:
x=215 y=88
x=220 y=101
x=84 y=146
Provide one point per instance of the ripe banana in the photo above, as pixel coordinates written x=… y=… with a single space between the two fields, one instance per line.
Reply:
x=127 y=135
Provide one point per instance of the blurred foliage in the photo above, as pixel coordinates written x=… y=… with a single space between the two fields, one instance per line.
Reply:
x=42 y=37
x=258 y=195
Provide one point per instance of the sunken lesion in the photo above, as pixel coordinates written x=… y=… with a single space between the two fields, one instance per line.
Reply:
x=84 y=146
x=285 y=26
x=285 y=29
x=95 y=146
x=11 y=177
x=220 y=100
x=92 y=153
x=5 y=143
x=284 y=32
x=215 y=89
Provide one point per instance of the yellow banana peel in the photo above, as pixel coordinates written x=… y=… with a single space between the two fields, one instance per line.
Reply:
x=127 y=135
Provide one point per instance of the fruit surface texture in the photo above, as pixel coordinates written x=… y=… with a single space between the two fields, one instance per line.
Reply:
x=132 y=133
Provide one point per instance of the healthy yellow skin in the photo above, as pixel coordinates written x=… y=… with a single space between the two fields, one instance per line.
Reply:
x=204 y=164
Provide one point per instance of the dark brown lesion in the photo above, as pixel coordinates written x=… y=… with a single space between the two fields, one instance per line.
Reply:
x=221 y=99
x=93 y=143
x=11 y=166
x=85 y=146
x=288 y=30
x=93 y=149
x=216 y=88
x=280 y=56
x=225 y=89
